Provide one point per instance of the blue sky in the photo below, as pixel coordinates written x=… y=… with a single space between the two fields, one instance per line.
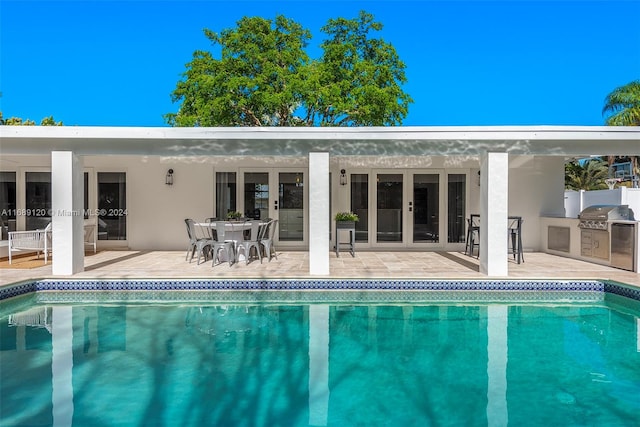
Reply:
x=115 y=63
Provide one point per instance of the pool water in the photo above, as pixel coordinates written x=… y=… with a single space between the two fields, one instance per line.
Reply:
x=291 y=364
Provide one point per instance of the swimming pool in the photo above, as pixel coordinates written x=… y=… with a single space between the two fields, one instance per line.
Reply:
x=95 y=353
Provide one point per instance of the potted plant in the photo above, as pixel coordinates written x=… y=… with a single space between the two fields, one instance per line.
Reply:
x=346 y=220
x=234 y=215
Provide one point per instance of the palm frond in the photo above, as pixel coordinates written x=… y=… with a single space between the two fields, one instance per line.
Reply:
x=623 y=105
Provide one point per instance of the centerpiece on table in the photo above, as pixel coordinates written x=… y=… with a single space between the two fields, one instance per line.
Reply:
x=234 y=216
x=346 y=220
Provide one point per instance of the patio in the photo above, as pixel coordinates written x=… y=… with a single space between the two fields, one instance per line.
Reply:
x=295 y=264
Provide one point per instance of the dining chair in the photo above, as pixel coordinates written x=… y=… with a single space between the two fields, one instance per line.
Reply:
x=211 y=230
x=196 y=241
x=252 y=242
x=266 y=241
x=222 y=244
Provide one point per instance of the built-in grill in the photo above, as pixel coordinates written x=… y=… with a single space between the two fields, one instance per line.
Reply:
x=598 y=217
x=596 y=239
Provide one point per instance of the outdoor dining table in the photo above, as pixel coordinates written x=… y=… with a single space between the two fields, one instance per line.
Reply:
x=234 y=231
x=514 y=228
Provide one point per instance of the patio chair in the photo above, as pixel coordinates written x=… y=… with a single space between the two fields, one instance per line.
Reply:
x=252 y=242
x=211 y=230
x=196 y=241
x=267 y=240
x=222 y=244
x=32 y=241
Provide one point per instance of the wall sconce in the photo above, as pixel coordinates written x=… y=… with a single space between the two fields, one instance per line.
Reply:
x=298 y=180
x=169 y=178
x=343 y=177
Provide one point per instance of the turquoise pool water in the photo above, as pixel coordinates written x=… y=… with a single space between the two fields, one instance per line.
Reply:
x=233 y=362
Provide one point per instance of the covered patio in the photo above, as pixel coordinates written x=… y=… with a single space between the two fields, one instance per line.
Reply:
x=518 y=170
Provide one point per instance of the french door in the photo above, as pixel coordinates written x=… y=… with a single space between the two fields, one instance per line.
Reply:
x=422 y=208
x=262 y=193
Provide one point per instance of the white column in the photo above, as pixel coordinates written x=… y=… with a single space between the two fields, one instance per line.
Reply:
x=318 y=364
x=319 y=221
x=494 y=189
x=67 y=212
x=62 y=366
x=497 y=355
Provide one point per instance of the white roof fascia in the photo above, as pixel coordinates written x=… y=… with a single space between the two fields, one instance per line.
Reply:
x=299 y=141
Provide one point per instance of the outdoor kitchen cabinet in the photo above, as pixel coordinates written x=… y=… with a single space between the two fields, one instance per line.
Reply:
x=595 y=244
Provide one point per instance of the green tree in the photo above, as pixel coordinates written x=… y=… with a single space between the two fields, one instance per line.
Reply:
x=17 y=121
x=622 y=106
x=358 y=77
x=264 y=77
x=588 y=175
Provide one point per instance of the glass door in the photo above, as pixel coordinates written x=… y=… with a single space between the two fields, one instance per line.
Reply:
x=389 y=203
x=256 y=195
x=112 y=206
x=424 y=208
x=409 y=209
x=290 y=207
x=360 y=205
x=456 y=207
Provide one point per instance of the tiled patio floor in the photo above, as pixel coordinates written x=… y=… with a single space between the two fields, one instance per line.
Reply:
x=294 y=264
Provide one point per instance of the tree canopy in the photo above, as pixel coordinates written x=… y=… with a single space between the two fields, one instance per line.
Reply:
x=264 y=77
x=17 y=121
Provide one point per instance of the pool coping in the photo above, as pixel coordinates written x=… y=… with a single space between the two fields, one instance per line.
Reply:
x=494 y=289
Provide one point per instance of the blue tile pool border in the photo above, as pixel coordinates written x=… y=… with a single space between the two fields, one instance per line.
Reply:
x=449 y=286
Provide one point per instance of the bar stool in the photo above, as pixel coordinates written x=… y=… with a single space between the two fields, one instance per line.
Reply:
x=515 y=238
x=473 y=233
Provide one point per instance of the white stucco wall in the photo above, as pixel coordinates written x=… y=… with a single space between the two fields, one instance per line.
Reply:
x=157 y=211
x=536 y=189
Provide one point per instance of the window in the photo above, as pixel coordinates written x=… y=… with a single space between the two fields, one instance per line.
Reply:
x=8 y=195
x=37 y=200
x=7 y=203
x=225 y=193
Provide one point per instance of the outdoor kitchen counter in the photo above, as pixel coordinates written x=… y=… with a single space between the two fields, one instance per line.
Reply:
x=562 y=236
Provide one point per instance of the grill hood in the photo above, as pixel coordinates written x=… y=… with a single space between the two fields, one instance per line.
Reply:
x=606 y=213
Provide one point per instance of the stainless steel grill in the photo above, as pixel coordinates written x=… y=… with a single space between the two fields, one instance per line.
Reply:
x=597 y=217
x=608 y=235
